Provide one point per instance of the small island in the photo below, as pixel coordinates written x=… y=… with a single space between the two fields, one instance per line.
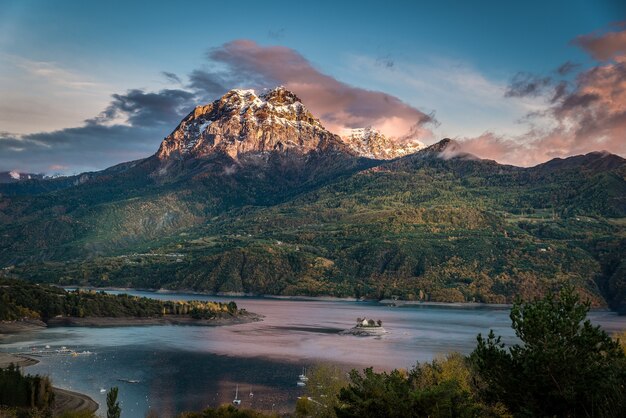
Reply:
x=366 y=327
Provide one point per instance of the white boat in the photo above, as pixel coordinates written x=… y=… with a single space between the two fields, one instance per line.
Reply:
x=301 y=383
x=102 y=390
x=237 y=401
x=303 y=377
x=251 y=394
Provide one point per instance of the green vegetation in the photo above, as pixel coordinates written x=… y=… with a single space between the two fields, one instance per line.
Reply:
x=25 y=395
x=565 y=367
x=322 y=391
x=418 y=228
x=20 y=299
x=113 y=406
x=226 y=411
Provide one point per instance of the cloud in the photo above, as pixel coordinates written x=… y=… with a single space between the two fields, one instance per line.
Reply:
x=129 y=128
x=74 y=150
x=526 y=84
x=171 y=77
x=209 y=84
x=133 y=123
x=567 y=68
x=139 y=108
x=603 y=46
x=338 y=104
x=586 y=115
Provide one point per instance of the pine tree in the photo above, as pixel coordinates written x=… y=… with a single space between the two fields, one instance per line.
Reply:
x=113 y=406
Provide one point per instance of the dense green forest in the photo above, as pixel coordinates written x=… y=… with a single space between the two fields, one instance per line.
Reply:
x=418 y=228
x=25 y=391
x=20 y=299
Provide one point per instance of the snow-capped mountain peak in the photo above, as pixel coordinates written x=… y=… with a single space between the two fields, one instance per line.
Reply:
x=242 y=122
x=371 y=143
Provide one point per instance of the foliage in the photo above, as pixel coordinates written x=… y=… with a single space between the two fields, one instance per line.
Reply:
x=113 y=407
x=322 y=391
x=226 y=411
x=78 y=414
x=442 y=388
x=25 y=300
x=25 y=391
x=621 y=339
x=565 y=366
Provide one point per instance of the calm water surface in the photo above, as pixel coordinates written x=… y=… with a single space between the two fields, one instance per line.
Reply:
x=188 y=367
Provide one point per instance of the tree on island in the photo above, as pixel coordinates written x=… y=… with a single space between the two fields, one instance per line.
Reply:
x=113 y=406
x=563 y=367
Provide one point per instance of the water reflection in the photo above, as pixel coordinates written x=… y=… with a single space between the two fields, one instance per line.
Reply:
x=187 y=368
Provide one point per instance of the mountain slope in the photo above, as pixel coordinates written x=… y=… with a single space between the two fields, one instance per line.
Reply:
x=246 y=205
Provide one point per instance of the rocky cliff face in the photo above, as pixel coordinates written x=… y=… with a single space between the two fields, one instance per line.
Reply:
x=243 y=123
x=370 y=143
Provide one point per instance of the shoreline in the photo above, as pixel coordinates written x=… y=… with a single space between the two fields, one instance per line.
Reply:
x=107 y=321
x=389 y=302
x=65 y=400
x=8 y=328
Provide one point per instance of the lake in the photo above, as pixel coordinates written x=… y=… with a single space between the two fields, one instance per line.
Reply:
x=182 y=368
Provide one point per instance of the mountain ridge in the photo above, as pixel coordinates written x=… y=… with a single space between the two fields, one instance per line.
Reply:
x=312 y=217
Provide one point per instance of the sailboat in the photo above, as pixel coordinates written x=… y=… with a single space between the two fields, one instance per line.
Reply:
x=251 y=394
x=303 y=377
x=237 y=401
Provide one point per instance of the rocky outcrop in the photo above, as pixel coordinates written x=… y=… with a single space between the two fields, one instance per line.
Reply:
x=242 y=123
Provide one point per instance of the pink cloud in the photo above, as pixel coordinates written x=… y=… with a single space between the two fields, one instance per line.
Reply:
x=57 y=167
x=338 y=104
x=588 y=116
x=603 y=46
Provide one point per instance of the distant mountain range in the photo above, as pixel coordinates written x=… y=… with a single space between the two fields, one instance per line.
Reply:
x=251 y=194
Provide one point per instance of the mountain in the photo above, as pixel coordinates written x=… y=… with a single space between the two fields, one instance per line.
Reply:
x=371 y=143
x=15 y=176
x=242 y=123
x=252 y=194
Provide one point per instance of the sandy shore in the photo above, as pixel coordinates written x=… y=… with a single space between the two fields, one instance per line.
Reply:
x=164 y=320
x=66 y=400
x=6 y=359
x=14 y=327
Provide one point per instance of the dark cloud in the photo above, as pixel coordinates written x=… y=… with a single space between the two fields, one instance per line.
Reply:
x=560 y=90
x=527 y=85
x=87 y=148
x=146 y=109
x=171 y=77
x=131 y=127
x=209 y=84
x=567 y=68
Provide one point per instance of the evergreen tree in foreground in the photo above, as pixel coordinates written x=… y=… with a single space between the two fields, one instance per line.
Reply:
x=564 y=366
x=113 y=406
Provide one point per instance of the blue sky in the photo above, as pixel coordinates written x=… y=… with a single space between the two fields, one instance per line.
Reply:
x=60 y=61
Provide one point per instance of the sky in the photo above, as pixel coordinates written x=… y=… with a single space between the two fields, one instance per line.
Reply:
x=85 y=85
